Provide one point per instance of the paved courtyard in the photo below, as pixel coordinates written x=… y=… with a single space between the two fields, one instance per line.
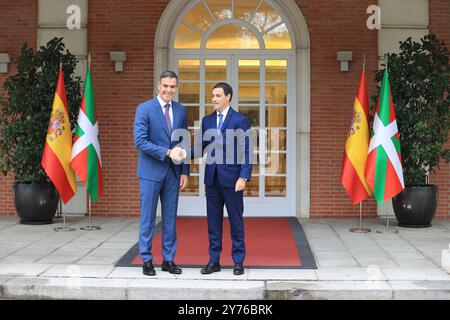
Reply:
x=37 y=262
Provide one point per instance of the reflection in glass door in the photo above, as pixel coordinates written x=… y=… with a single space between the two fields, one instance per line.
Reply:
x=260 y=86
x=196 y=80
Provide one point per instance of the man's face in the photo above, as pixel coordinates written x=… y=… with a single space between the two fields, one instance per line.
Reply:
x=219 y=100
x=167 y=88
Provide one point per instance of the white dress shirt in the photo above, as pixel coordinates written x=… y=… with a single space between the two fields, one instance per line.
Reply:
x=224 y=116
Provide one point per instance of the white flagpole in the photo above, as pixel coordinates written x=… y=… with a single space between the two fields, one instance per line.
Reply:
x=360 y=229
x=387 y=231
x=63 y=228
x=90 y=227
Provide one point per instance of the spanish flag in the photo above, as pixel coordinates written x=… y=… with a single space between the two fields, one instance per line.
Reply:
x=58 y=145
x=356 y=147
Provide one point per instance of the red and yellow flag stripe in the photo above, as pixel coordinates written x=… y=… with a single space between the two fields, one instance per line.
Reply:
x=356 y=147
x=58 y=145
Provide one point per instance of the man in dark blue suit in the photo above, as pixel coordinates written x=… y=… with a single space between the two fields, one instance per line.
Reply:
x=159 y=177
x=225 y=137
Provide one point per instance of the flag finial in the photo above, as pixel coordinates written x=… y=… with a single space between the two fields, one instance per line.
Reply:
x=364 y=62
x=89 y=60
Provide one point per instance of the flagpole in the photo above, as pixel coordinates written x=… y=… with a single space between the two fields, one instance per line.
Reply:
x=360 y=215
x=59 y=211
x=48 y=163
x=63 y=228
x=387 y=231
x=90 y=227
x=64 y=216
x=364 y=63
x=360 y=229
x=89 y=61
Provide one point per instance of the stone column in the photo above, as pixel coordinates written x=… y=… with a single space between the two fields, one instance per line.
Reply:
x=52 y=17
x=400 y=19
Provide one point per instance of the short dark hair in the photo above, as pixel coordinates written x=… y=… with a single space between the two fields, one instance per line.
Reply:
x=168 y=74
x=226 y=88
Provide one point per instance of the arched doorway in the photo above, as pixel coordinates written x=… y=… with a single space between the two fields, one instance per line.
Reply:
x=251 y=45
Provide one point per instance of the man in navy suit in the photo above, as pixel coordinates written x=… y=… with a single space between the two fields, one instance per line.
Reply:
x=228 y=168
x=159 y=177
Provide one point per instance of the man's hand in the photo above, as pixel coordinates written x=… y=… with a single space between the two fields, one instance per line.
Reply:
x=240 y=185
x=183 y=182
x=177 y=154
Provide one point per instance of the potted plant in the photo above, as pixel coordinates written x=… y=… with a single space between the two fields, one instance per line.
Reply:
x=24 y=117
x=420 y=83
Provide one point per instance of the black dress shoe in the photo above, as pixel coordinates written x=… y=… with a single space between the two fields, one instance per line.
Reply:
x=171 y=267
x=238 y=269
x=148 y=269
x=210 y=268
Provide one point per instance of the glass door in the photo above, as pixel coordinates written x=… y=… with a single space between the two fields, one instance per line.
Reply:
x=260 y=91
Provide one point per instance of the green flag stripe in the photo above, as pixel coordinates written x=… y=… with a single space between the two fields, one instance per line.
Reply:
x=384 y=112
x=79 y=132
x=89 y=98
x=380 y=174
x=396 y=143
x=92 y=157
x=92 y=172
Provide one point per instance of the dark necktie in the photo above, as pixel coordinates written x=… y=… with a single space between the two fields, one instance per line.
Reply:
x=167 y=116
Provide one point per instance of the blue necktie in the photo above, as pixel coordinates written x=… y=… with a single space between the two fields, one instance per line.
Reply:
x=219 y=126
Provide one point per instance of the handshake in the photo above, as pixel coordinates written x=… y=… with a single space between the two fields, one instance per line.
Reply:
x=177 y=154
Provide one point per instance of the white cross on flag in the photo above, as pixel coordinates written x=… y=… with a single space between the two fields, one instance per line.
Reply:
x=384 y=171
x=86 y=157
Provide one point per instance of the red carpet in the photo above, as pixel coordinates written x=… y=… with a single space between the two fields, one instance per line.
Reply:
x=270 y=242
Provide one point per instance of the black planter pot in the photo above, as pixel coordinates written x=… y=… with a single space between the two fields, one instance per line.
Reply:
x=35 y=203
x=415 y=206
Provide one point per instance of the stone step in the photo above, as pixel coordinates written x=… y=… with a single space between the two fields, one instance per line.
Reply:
x=175 y=289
